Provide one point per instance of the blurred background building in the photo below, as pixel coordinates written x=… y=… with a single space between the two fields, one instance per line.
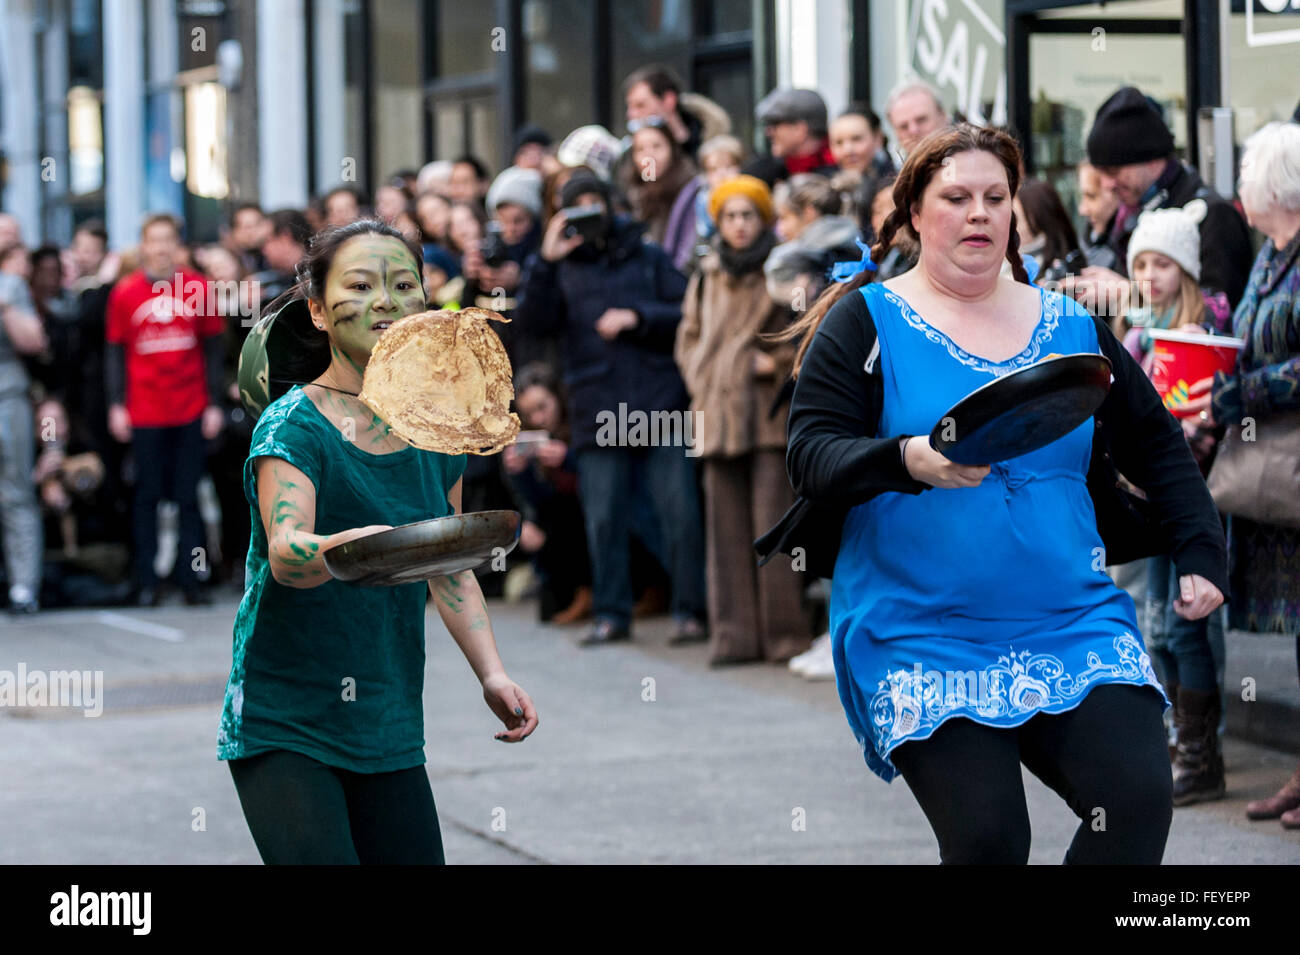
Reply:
x=111 y=108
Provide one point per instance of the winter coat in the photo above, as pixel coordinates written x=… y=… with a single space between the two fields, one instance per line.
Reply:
x=704 y=119
x=1226 y=254
x=716 y=343
x=636 y=368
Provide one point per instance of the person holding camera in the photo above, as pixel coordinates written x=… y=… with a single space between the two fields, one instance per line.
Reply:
x=615 y=303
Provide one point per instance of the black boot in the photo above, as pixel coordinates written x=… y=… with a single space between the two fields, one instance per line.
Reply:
x=1198 y=765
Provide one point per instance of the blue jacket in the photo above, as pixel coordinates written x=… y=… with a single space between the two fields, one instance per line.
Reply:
x=565 y=298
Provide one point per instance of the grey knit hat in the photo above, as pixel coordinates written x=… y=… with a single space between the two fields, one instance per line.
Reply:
x=793 y=106
x=519 y=186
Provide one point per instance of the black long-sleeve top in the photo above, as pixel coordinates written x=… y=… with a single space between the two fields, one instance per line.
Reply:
x=835 y=461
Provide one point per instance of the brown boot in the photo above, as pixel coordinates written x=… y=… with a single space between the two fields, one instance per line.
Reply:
x=653 y=602
x=579 y=609
x=1198 y=764
x=1285 y=800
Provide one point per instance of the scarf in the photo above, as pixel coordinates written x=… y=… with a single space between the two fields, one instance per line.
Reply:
x=812 y=161
x=1146 y=318
x=738 y=262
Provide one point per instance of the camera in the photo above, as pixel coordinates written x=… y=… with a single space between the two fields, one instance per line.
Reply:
x=493 y=246
x=586 y=221
x=1073 y=264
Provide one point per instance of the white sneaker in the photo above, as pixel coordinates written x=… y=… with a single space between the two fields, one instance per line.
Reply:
x=821 y=666
x=799 y=663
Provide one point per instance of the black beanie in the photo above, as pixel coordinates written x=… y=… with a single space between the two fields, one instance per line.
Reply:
x=530 y=133
x=582 y=182
x=1128 y=129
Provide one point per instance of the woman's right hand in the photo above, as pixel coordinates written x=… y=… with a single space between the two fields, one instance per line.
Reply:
x=119 y=423
x=551 y=453
x=554 y=245
x=930 y=467
x=352 y=533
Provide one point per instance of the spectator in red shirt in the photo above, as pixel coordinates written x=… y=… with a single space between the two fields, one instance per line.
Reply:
x=164 y=378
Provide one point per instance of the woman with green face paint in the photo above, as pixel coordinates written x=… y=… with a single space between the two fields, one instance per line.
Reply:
x=323 y=722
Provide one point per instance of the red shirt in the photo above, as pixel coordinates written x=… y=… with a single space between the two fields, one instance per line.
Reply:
x=161 y=333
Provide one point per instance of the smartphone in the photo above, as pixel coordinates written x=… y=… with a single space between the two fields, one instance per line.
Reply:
x=527 y=441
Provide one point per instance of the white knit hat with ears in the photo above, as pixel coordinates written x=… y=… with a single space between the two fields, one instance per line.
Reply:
x=1174 y=233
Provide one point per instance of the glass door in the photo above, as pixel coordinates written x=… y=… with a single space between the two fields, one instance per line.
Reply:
x=1078 y=56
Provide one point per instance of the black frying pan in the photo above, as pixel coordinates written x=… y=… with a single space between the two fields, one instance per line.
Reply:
x=1023 y=411
x=425 y=549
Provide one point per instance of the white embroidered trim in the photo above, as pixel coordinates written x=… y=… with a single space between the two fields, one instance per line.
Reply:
x=1049 y=319
x=912 y=703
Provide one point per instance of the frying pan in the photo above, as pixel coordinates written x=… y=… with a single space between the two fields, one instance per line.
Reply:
x=425 y=549
x=1024 y=410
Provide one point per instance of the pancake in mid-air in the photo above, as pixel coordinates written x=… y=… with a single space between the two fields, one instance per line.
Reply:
x=442 y=382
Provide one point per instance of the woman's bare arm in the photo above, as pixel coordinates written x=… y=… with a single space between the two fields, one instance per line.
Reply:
x=464 y=612
x=287 y=502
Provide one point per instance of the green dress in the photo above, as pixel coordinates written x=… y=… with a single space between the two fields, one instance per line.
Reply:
x=335 y=672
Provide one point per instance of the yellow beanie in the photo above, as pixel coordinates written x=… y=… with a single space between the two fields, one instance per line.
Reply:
x=749 y=187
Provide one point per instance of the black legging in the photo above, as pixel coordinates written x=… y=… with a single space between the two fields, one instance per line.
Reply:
x=1107 y=758
x=303 y=812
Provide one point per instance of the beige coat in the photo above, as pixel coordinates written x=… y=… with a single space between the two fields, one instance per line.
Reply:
x=716 y=343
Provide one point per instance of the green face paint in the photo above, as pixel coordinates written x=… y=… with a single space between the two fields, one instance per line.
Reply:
x=372 y=282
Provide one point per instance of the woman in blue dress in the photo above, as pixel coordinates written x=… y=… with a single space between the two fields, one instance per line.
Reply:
x=974 y=627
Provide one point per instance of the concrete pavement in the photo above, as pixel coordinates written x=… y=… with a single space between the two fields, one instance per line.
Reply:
x=644 y=754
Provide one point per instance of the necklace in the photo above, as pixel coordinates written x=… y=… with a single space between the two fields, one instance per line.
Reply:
x=387 y=429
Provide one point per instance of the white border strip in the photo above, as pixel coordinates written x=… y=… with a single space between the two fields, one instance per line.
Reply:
x=1275 y=38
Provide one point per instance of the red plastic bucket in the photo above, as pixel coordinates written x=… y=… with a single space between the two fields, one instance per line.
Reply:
x=1181 y=359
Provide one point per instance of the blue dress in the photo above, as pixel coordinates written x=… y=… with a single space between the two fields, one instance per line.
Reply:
x=992 y=602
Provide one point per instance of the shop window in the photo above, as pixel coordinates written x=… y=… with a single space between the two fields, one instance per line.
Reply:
x=1261 y=70
x=398 y=89
x=645 y=32
x=85 y=141
x=1068 y=81
x=731 y=86
x=86 y=43
x=726 y=16
x=560 y=35
x=463 y=36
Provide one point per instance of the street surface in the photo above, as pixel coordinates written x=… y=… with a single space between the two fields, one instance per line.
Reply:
x=719 y=766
